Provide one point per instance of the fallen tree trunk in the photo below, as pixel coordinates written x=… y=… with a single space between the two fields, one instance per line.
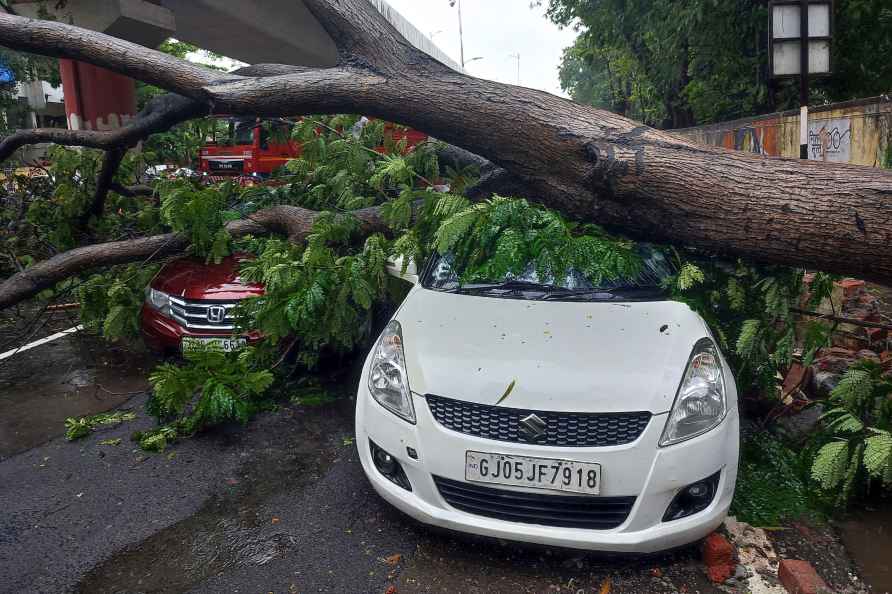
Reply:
x=589 y=164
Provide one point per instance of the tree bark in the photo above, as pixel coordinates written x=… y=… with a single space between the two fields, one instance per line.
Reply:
x=590 y=164
x=110 y=164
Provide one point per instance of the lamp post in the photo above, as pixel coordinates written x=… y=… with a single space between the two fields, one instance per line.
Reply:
x=516 y=56
x=461 y=39
x=800 y=46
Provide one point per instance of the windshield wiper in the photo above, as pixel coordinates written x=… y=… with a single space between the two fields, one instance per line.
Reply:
x=597 y=294
x=512 y=285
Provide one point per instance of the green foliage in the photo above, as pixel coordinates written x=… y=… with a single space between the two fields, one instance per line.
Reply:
x=857 y=438
x=689 y=275
x=45 y=208
x=211 y=388
x=111 y=301
x=499 y=236
x=201 y=213
x=674 y=64
x=772 y=483
x=748 y=309
x=76 y=428
x=659 y=61
x=321 y=293
x=157 y=439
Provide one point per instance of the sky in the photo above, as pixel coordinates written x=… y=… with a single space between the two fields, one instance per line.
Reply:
x=494 y=29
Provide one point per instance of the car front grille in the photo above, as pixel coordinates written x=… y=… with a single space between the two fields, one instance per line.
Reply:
x=203 y=314
x=571 y=511
x=567 y=429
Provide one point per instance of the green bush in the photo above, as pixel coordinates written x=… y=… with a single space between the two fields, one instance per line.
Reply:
x=857 y=440
x=772 y=483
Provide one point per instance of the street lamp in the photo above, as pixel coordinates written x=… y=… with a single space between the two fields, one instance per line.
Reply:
x=516 y=56
x=474 y=59
x=800 y=46
x=461 y=39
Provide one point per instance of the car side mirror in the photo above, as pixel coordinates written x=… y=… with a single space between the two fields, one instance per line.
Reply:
x=395 y=269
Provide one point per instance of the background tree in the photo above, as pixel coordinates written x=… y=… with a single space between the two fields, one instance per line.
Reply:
x=676 y=64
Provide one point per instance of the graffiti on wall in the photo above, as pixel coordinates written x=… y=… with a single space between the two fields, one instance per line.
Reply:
x=830 y=140
x=759 y=137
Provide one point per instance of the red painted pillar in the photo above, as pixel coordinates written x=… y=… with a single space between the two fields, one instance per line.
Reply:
x=96 y=98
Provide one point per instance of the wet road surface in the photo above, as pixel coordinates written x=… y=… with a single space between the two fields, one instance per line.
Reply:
x=278 y=506
x=74 y=376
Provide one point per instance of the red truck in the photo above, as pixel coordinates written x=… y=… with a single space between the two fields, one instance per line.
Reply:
x=252 y=147
x=189 y=303
x=249 y=148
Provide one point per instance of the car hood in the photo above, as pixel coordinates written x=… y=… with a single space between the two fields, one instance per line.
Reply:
x=563 y=356
x=194 y=279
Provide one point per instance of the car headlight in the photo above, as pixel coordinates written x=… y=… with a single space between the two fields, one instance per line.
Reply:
x=158 y=300
x=387 y=375
x=701 y=403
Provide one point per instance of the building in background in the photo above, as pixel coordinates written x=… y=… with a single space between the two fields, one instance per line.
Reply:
x=37 y=104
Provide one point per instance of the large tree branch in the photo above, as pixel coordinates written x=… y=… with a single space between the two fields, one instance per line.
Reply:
x=110 y=164
x=58 y=40
x=132 y=191
x=587 y=163
x=160 y=114
x=291 y=221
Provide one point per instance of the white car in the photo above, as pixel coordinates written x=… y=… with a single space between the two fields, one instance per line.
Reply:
x=593 y=418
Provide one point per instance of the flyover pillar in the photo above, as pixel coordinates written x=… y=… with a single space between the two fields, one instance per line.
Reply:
x=96 y=98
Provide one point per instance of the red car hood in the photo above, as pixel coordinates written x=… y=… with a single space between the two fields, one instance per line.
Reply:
x=193 y=279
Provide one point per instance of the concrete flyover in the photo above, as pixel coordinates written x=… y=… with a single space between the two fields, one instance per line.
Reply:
x=252 y=31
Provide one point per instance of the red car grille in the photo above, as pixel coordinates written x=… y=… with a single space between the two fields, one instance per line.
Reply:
x=204 y=314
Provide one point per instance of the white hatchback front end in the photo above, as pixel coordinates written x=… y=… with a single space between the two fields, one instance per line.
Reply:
x=546 y=421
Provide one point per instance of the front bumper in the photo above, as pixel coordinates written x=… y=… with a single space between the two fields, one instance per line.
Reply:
x=652 y=474
x=163 y=334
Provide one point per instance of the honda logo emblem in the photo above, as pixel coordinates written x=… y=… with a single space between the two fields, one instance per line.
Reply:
x=216 y=314
x=533 y=427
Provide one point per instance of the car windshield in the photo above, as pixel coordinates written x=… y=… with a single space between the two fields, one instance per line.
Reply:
x=647 y=284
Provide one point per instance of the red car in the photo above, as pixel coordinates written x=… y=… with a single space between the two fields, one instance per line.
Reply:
x=189 y=303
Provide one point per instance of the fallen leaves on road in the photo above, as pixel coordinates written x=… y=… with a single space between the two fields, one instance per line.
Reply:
x=393 y=560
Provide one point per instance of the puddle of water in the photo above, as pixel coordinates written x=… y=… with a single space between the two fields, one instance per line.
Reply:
x=74 y=376
x=867 y=535
x=232 y=529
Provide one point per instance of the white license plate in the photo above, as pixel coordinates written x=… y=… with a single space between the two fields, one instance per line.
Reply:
x=538 y=473
x=227 y=345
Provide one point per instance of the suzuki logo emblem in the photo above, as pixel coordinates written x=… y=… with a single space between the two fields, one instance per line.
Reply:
x=216 y=314
x=532 y=427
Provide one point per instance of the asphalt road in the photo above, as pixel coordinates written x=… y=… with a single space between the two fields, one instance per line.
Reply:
x=281 y=505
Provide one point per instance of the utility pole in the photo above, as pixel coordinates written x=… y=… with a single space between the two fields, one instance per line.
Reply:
x=803 y=79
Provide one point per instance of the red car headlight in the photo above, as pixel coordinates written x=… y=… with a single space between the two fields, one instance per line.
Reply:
x=158 y=300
